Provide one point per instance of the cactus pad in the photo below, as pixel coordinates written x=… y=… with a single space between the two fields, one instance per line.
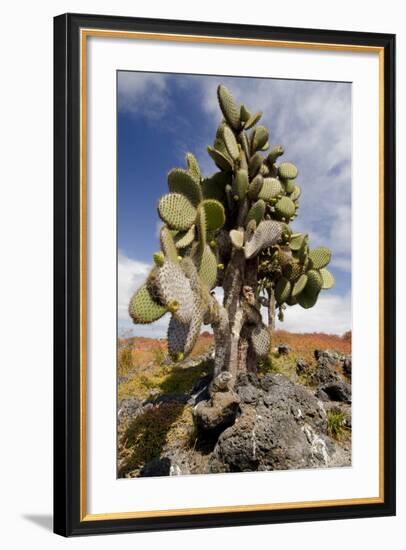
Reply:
x=237 y=238
x=182 y=336
x=143 y=308
x=255 y=187
x=172 y=285
x=182 y=182
x=185 y=238
x=285 y=208
x=255 y=164
x=282 y=290
x=215 y=215
x=176 y=211
x=208 y=267
x=221 y=160
x=231 y=143
x=229 y=107
x=214 y=187
x=193 y=167
x=314 y=282
x=287 y=171
x=319 y=257
x=296 y=241
x=261 y=341
x=306 y=300
x=296 y=193
x=256 y=212
x=327 y=278
x=259 y=138
x=271 y=188
x=244 y=113
x=253 y=119
x=274 y=154
x=168 y=245
x=240 y=184
x=267 y=234
x=299 y=285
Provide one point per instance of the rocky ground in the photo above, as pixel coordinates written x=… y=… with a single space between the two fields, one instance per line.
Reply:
x=296 y=414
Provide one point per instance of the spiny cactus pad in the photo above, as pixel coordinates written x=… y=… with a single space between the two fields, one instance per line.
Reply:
x=172 y=285
x=274 y=154
x=143 y=308
x=255 y=164
x=261 y=341
x=180 y=181
x=287 y=171
x=320 y=257
x=176 y=211
x=215 y=215
x=259 y=138
x=208 y=267
x=314 y=282
x=168 y=245
x=229 y=107
x=185 y=238
x=182 y=336
x=240 y=184
x=299 y=285
x=285 y=208
x=256 y=212
x=296 y=241
x=271 y=188
x=193 y=167
x=221 y=160
x=282 y=290
x=327 y=278
x=296 y=193
x=254 y=118
x=267 y=234
x=237 y=238
x=255 y=187
x=231 y=143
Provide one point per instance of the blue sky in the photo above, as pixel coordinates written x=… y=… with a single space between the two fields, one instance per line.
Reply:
x=163 y=116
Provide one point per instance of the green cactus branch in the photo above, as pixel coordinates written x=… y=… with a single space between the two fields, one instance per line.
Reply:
x=231 y=230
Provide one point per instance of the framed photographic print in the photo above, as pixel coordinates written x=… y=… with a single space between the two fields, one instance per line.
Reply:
x=224 y=274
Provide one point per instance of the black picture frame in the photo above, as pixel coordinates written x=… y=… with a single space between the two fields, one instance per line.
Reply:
x=67 y=355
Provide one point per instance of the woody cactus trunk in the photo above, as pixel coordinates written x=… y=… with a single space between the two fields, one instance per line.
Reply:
x=231 y=230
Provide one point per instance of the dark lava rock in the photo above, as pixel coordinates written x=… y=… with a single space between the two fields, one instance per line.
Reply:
x=287 y=429
x=323 y=374
x=283 y=349
x=156 y=467
x=336 y=391
x=129 y=409
x=347 y=366
x=301 y=366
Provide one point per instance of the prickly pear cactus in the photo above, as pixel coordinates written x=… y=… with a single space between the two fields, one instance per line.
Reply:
x=231 y=229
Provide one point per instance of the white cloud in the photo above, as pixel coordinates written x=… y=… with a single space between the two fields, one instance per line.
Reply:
x=144 y=94
x=331 y=314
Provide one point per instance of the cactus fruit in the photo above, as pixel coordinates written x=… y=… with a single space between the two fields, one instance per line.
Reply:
x=320 y=257
x=229 y=107
x=287 y=171
x=327 y=278
x=282 y=290
x=259 y=138
x=214 y=214
x=271 y=188
x=176 y=211
x=285 y=208
x=180 y=181
x=237 y=238
x=256 y=212
x=143 y=308
x=231 y=143
x=266 y=234
x=261 y=341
